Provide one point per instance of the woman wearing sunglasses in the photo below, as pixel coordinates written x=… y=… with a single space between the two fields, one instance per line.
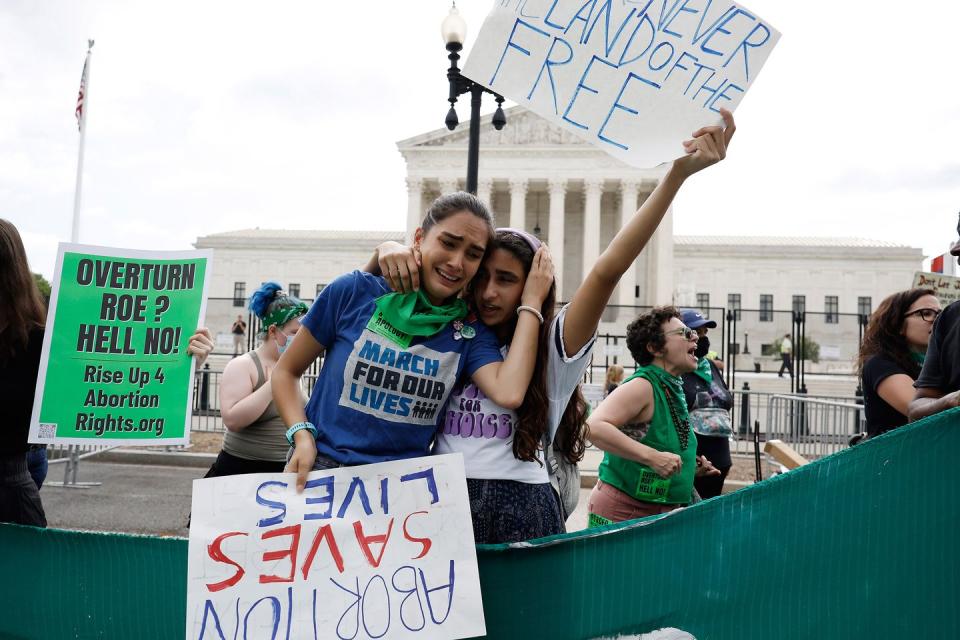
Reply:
x=891 y=356
x=643 y=427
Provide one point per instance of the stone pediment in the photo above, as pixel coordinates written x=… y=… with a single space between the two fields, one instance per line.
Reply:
x=524 y=129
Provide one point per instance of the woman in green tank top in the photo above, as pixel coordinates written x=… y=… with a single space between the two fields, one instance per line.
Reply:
x=650 y=450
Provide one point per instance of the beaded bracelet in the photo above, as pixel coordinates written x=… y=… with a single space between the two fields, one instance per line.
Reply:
x=535 y=312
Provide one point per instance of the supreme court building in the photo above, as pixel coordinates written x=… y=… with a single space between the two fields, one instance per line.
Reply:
x=538 y=177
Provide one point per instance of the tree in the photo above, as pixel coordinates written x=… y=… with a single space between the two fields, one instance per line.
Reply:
x=810 y=350
x=43 y=285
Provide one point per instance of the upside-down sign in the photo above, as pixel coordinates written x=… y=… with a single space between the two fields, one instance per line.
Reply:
x=378 y=551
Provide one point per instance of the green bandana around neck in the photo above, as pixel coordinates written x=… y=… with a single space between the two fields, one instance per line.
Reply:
x=667 y=383
x=400 y=316
x=703 y=370
x=918 y=357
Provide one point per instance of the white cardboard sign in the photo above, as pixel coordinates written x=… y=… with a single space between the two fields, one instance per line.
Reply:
x=946 y=288
x=378 y=551
x=634 y=77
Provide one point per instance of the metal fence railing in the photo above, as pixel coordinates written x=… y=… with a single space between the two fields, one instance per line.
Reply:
x=814 y=426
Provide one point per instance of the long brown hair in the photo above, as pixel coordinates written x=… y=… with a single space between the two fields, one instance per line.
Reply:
x=21 y=306
x=532 y=415
x=884 y=332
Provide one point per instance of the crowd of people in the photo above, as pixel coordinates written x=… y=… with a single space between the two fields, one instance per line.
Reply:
x=479 y=360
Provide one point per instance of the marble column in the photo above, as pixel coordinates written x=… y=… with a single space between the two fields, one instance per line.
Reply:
x=593 y=190
x=558 y=192
x=448 y=185
x=415 y=211
x=628 y=206
x=518 y=203
x=661 y=269
x=485 y=192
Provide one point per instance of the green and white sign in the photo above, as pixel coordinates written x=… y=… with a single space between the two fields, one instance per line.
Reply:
x=115 y=367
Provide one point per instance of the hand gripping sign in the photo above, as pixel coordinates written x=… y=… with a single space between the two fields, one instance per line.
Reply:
x=377 y=551
x=634 y=77
x=114 y=367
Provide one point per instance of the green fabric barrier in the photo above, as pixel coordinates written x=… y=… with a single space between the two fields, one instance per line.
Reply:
x=861 y=544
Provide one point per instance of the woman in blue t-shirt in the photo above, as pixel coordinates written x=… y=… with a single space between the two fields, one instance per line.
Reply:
x=392 y=359
x=511 y=498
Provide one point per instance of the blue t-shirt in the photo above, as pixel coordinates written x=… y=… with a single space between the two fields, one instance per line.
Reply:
x=374 y=400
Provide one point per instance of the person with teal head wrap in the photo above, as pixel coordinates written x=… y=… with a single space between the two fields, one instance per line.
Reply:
x=254 y=439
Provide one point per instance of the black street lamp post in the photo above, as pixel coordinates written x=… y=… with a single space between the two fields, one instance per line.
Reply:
x=454 y=31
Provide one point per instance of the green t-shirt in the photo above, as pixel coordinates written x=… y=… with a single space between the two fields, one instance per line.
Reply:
x=640 y=481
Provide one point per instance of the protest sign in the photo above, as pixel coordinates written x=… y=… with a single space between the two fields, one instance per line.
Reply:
x=115 y=368
x=634 y=77
x=946 y=288
x=378 y=551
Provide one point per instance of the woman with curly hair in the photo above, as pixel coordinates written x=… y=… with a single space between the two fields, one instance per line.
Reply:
x=643 y=427
x=891 y=356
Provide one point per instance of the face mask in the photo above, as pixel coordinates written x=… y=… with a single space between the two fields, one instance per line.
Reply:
x=703 y=347
x=283 y=347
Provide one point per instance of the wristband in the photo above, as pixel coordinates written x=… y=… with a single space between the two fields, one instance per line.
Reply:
x=300 y=426
x=524 y=307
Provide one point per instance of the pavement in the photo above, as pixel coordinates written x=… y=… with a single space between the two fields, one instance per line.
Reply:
x=147 y=493
x=132 y=498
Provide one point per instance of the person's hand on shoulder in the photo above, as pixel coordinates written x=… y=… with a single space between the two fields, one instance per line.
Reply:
x=400 y=265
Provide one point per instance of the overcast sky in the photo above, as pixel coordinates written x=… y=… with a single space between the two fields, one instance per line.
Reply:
x=212 y=116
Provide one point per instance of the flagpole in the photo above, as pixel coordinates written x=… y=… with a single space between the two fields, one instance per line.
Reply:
x=75 y=228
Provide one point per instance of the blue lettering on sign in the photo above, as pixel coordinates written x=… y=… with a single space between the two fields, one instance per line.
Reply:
x=718 y=28
x=371 y=606
x=328 y=483
x=747 y=43
x=512 y=45
x=548 y=63
x=277 y=519
x=426 y=475
x=581 y=85
x=356 y=486
x=665 y=28
x=584 y=19
x=619 y=105
x=607 y=10
x=644 y=20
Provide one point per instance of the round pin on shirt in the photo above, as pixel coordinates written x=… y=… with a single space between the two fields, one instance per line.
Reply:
x=468 y=332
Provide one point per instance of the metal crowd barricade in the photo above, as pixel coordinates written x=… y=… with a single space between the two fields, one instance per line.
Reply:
x=815 y=426
x=71 y=455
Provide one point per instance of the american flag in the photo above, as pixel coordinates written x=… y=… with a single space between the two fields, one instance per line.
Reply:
x=83 y=89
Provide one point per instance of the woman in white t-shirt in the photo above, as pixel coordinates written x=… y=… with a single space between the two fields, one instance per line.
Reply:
x=511 y=498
